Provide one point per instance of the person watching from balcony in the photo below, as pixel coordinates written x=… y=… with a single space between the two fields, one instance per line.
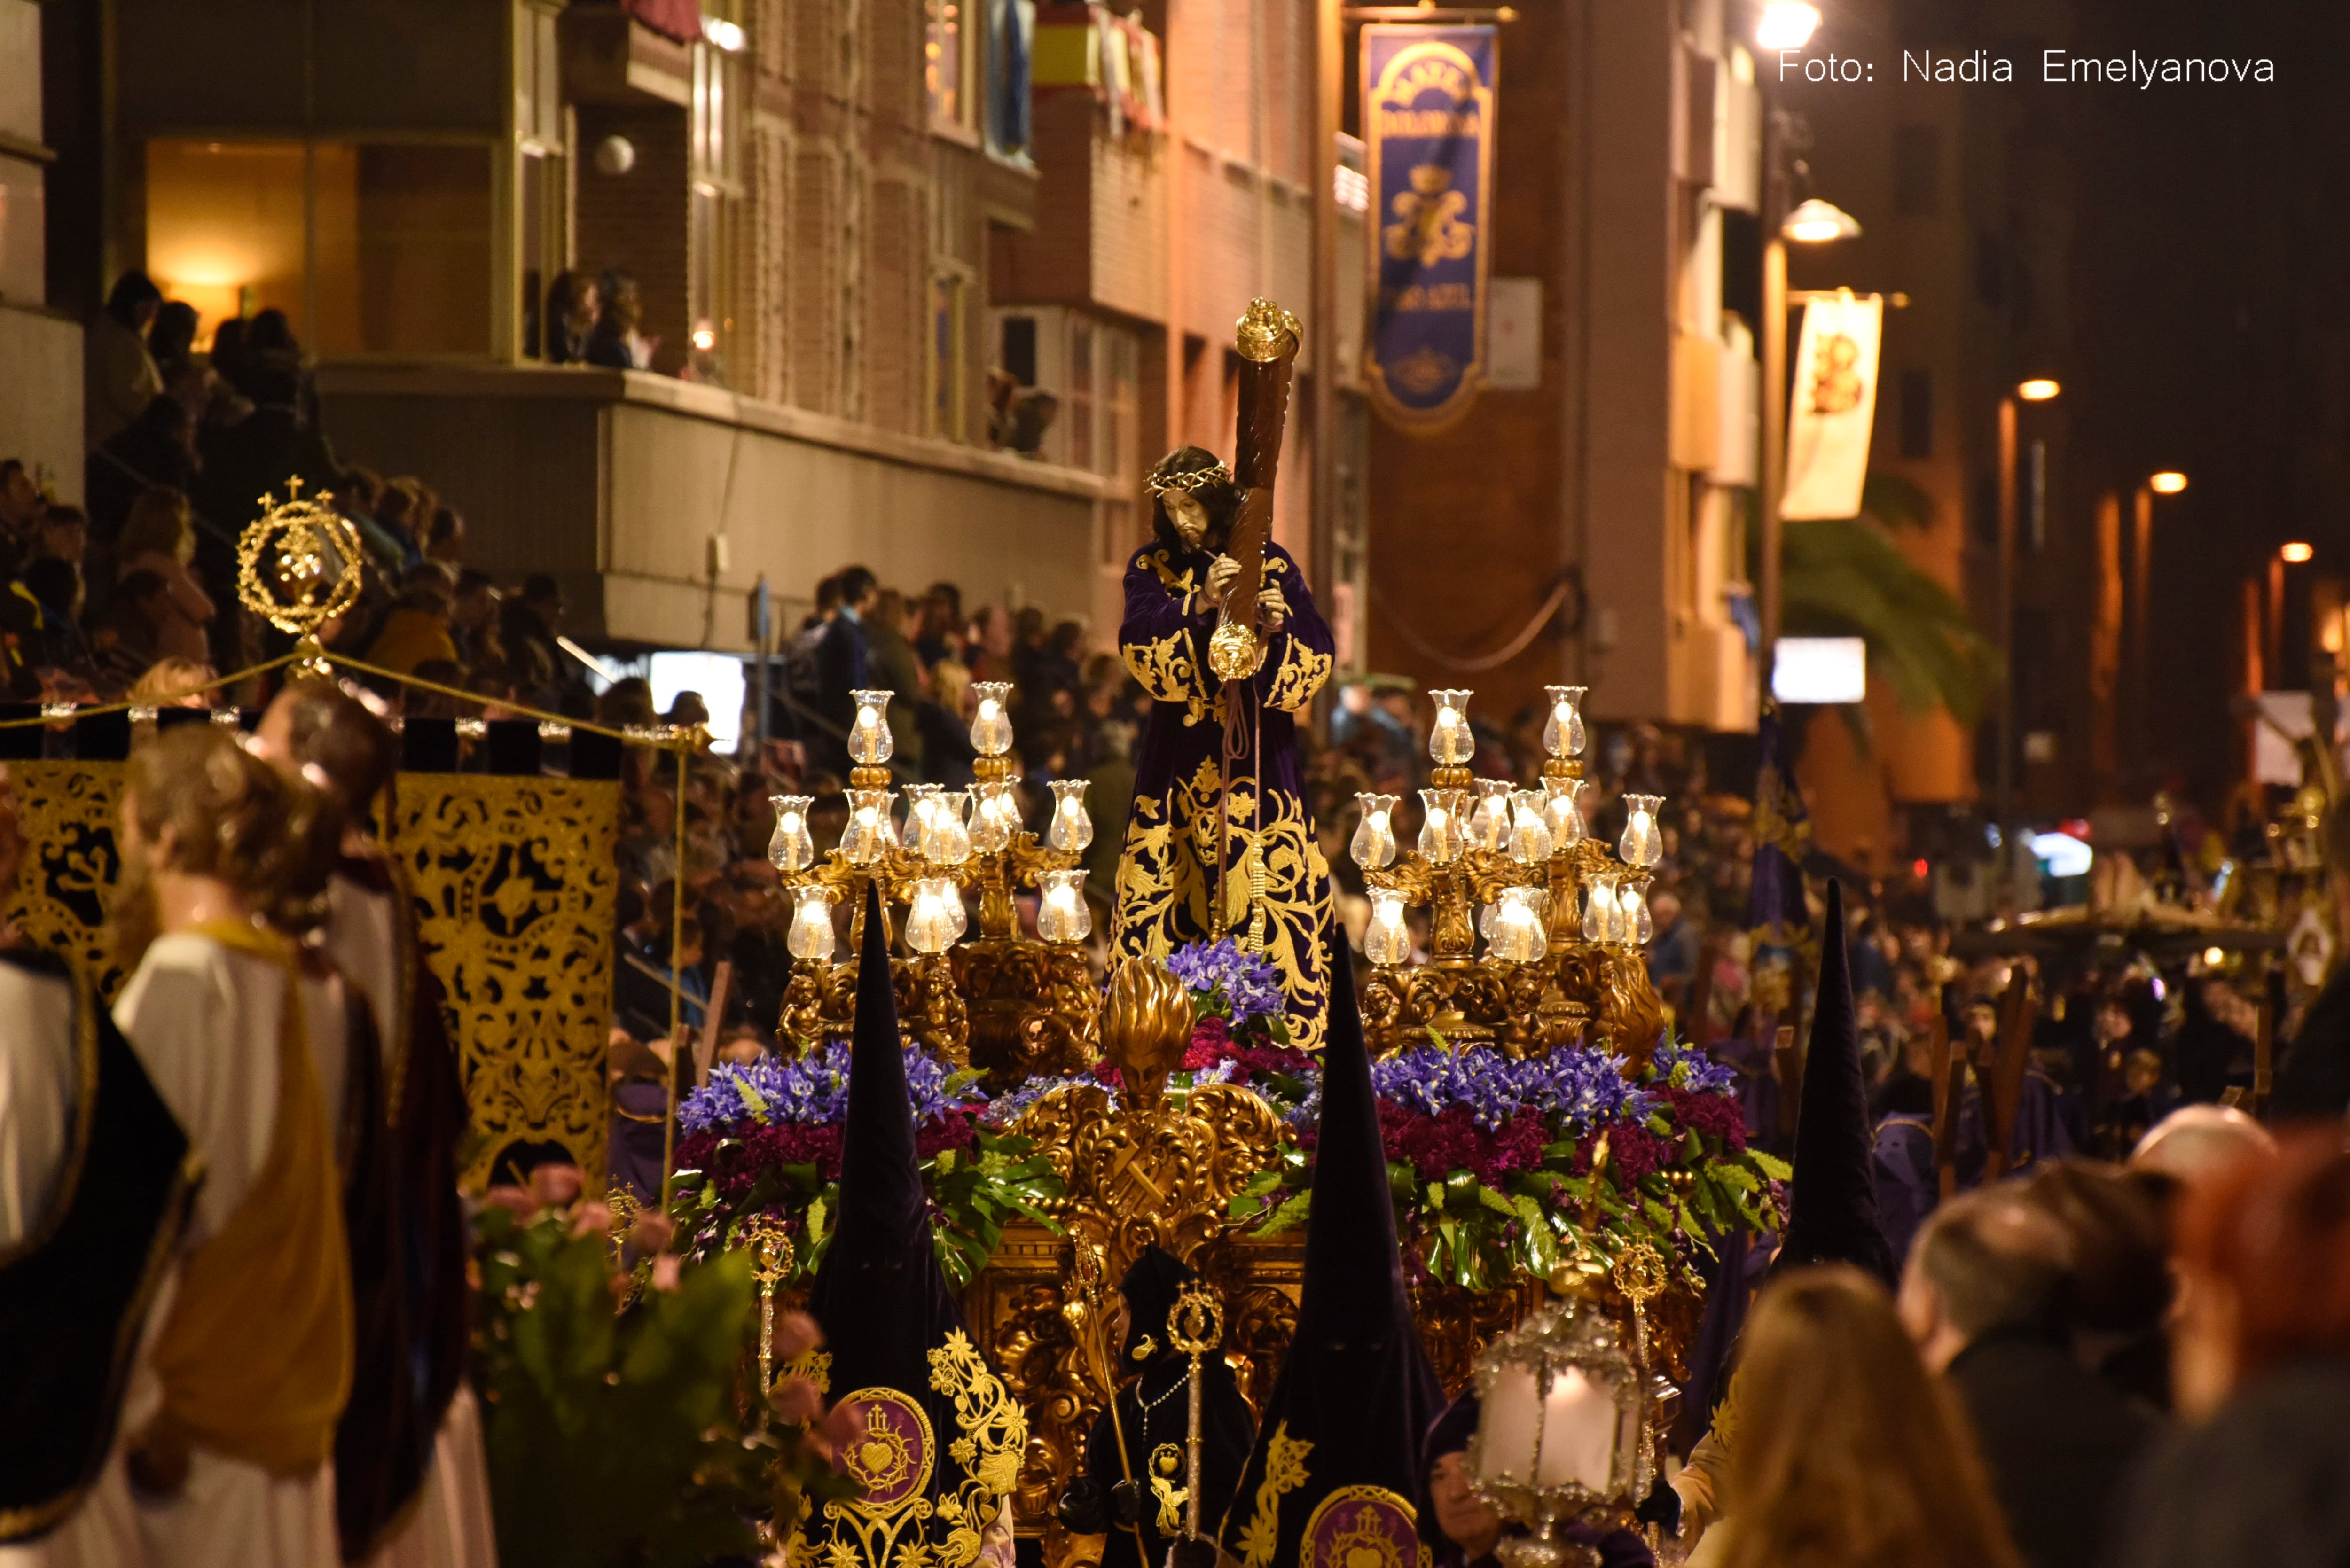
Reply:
x=172 y=340
x=474 y=621
x=444 y=541
x=160 y=536
x=119 y=373
x=572 y=307
x=615 y=344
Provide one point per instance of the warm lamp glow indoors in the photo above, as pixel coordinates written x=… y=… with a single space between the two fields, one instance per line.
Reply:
x=1816 y=222
x=2170 y=482
x=2297 y=552
x=2038 y=389
x=1786 y=24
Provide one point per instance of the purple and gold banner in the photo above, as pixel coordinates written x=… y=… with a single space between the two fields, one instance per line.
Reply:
x=1427 y=124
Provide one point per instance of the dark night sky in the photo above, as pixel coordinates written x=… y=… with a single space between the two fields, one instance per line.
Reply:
x=2212 y=245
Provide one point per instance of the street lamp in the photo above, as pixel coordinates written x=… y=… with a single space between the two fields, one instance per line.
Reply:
x=1786 y=24
x=2169 y=482
x=2032 y=389
x=1814 y=222
x=1817 y=222
x=2295 y=553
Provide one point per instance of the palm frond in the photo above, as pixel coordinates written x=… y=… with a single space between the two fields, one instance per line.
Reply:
x=1844 y=578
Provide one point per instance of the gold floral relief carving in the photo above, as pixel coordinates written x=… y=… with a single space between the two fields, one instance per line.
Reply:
x=513 y=882
x=67 y=813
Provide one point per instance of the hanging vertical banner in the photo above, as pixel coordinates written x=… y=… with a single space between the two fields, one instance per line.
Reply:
x=1427 y=131
x=1831 y=407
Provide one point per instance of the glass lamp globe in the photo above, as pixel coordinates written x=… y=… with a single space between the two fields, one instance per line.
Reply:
x=870 y=834
x=1489 y=821
x=1072 y=829
x=869 y=742
x=1441 y=832
x=1599 y=911
x=1374 y=845
x=929 y=919
x=1450 y=744
x=790 y=851
x=950 y=838
x=1387 y=941
x=811 y=933
x=1517 y=935
x=1529 y=835
x=1632 y=905
x=1062 y=916
x=1641 y=845
x=921 y=816
x=994 y=817
x=990 y=726
x=1561 y=813
x=1562 y=734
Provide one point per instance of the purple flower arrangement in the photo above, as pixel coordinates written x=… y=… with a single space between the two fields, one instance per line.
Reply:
x=768 y=1139
x=1239 y=989
x=1498 y=1162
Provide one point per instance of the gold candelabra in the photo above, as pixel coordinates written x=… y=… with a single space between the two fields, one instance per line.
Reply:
x=1004 y=1003
x=1561 y=921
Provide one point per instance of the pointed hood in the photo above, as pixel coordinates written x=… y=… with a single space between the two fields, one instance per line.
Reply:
x=895 y=1334
x=1356 y=1393
x=1833 y=1216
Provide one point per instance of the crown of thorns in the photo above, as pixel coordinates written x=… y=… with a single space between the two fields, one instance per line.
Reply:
x=1159 y=484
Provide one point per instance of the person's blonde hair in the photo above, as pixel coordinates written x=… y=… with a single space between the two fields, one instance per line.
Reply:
x=1846 y=1453
x=170 y=684
x=159 y=523
x=229 y=816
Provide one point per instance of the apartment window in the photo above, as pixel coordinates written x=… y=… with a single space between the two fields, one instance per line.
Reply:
x=715 y=151
x=1078 y=415
x=948 y=56
x=949 y=295
x=368 y=247
x=1917 y=414
x=542 y=247
x=1121 y=427
x=1917 y=171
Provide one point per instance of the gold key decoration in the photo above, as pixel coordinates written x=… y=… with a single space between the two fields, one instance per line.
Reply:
x=1639 y=1274
x=771 y=1264
x=1195 y=1325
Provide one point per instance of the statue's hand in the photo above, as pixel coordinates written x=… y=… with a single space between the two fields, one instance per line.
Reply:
x=1271 y=608
x=1220 y=573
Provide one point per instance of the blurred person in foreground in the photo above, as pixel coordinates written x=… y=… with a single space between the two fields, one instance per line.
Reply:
x=1983 y=1299
x=2118 y=1288
x=1844 y=1453
x=426 y=1501
x=2262 y=1368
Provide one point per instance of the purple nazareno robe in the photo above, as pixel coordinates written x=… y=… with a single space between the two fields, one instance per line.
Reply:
x=1167 y=870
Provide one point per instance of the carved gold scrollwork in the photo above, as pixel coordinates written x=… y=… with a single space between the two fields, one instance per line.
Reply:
x=1033 y=1007
x=820 y=1005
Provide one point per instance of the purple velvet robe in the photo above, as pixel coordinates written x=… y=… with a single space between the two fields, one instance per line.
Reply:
x=1167 y=868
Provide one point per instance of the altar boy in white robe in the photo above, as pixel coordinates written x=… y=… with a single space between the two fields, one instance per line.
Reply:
x=247 y=1367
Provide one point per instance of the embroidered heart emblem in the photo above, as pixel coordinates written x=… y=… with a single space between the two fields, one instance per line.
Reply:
x=874 y=1456
x=1365 y=1557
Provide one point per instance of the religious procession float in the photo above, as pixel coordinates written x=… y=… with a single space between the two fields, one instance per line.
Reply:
x=1538 y=1129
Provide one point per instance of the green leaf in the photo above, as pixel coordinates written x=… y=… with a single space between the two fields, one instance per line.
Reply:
x=1773 y=1168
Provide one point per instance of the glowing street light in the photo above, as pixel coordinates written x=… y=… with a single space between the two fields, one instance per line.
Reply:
x=2038 y=389
x=1786 y=24
x=2170 y=482
x=1816 y=221
x=2295 y=553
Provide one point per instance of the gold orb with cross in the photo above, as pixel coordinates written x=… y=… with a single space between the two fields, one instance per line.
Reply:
x=299 y=565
